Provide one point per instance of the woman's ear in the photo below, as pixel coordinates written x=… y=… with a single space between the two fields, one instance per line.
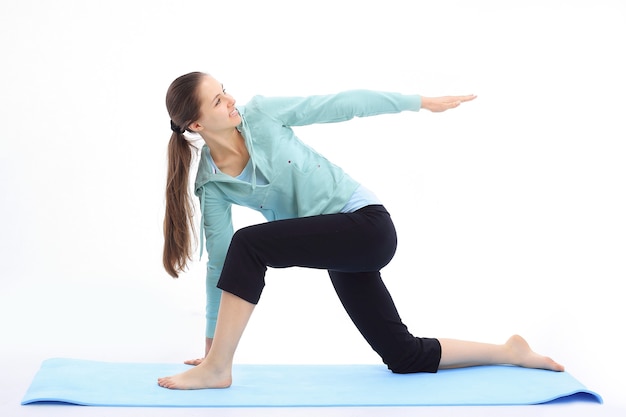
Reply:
x=196 y=127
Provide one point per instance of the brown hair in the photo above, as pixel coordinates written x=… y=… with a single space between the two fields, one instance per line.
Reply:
x=183 y=105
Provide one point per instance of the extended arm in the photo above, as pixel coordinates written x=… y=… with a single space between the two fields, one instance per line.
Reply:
x=300 y=111
x=218 y=230
x=343 y=106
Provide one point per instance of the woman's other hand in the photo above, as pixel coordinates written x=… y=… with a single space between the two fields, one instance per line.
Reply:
x=207 y=347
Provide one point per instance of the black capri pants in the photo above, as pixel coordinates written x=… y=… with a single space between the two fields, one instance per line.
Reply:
x=353 y=247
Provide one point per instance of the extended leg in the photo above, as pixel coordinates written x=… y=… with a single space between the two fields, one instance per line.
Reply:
x=516 y=351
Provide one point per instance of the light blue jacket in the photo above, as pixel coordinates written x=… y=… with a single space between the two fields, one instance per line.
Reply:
x=300 y=181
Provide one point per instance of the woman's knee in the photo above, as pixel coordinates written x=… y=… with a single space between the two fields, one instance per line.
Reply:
x=243 y=241
x=243 y=273
x=423 y=356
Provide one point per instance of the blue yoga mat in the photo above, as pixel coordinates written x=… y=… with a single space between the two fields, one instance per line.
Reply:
x=82 y=382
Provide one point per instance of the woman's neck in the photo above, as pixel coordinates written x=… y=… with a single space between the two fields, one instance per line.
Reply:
x=222 y=141
x=228 y=151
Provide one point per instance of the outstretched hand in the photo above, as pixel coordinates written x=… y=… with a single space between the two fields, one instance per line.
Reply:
x=440 y=104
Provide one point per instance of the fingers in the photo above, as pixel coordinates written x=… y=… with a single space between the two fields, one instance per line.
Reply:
x=440 y=104
x=463 y=99
x=455 y=101
x=445 y=104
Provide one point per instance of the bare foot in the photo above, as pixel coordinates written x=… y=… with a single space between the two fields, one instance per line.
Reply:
x=523 y=355
x=200 y=377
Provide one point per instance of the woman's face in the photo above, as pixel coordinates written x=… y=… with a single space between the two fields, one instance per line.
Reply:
x=217 y=109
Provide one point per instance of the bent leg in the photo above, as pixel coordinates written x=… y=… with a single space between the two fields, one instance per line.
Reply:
x=347 y=245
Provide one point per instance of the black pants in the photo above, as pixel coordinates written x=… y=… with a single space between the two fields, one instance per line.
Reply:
x=353 y=247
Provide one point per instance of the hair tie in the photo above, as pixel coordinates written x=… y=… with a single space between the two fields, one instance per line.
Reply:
x=175 y=128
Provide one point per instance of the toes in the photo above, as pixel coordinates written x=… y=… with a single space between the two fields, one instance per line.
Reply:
x=166 y=382
x=556 y=366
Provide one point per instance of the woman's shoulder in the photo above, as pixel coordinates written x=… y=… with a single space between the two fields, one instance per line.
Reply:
x=257 y=105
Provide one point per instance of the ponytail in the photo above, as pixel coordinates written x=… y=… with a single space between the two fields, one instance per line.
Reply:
x=178 y=222
x=183 y=105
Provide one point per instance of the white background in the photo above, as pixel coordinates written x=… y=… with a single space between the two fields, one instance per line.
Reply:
x=509 y=210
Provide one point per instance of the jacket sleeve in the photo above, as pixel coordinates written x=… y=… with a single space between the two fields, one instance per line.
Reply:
x=300 y=111
x=218 y=230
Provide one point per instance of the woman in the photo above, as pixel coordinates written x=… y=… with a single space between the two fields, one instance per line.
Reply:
x=318 y=217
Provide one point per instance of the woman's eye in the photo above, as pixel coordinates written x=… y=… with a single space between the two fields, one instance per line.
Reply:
x=219 y=100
